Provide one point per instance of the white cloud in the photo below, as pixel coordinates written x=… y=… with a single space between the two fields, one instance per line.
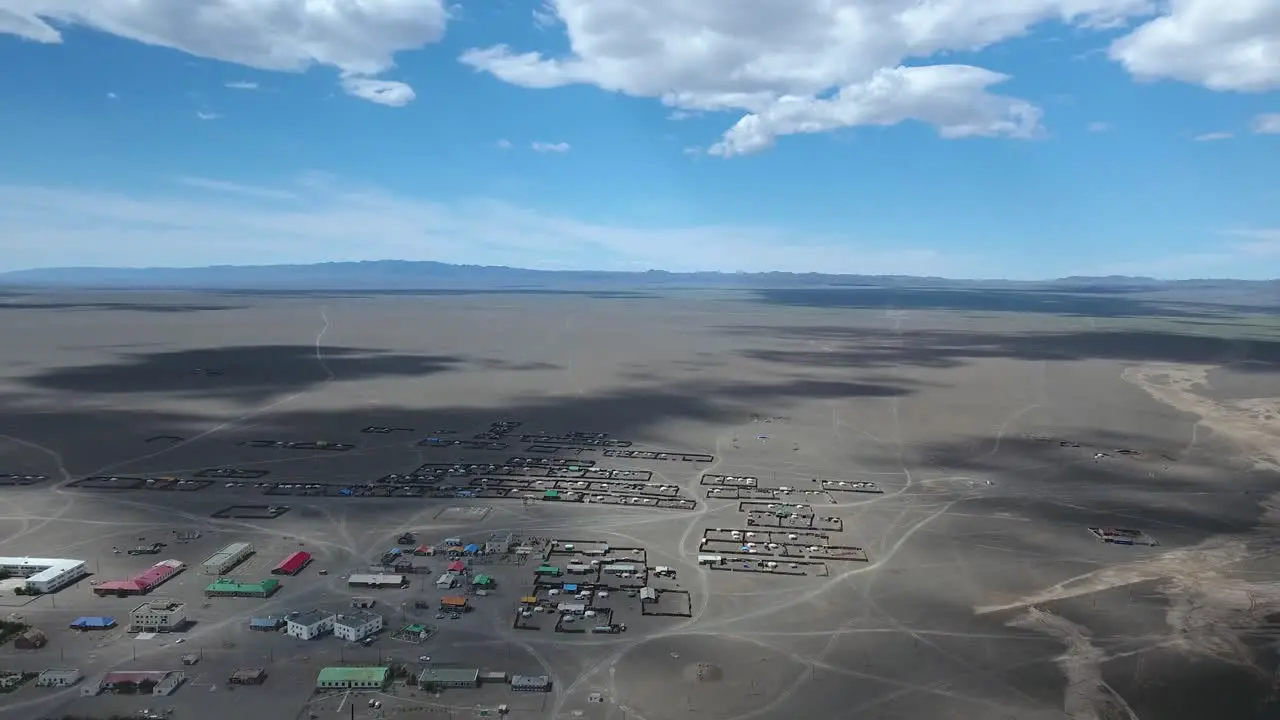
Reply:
x=242 y=85
x=1261 y=243
x=503 y=144
x=1220 y=44
x=214 y=222
x=204 y=115
x=1097 y=127
x=546 y=147
x=112 y=96
x=545 y=17
x=222 y=186
x=1267 y=124
x=360 y=39
x=391 y=93
x=1252 y=255
x=950 y=97
x=1212 y=136
x=798 y=66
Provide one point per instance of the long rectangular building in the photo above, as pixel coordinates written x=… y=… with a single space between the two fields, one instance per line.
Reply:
x=227 y=558
x=377 y=581
x=144 y=582
x=225 y=587
x=44 y=575
x=293 y=564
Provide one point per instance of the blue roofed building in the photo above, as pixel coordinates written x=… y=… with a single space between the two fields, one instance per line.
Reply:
x=93 y=623
x=266 y=624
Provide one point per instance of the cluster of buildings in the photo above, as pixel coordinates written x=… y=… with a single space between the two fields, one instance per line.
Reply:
x=433 y=678
x=352 y=626
x=43 y=575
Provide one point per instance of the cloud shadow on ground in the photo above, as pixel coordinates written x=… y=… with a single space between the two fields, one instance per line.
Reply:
x=1202 y=496
x=595 y=294
x=1096 y=303
x=158 y=308
x=248 y=373
x=855 y=347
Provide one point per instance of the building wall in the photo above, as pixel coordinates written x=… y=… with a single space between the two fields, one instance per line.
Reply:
x=66 y=679
x=47 y=584
x=342 y=684
x=357 y=632
x=160 y=619
x=307 y=632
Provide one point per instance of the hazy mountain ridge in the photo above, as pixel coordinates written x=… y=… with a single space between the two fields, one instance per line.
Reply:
x=408 y=275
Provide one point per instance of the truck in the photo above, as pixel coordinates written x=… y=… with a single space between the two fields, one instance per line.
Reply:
x=152 y=549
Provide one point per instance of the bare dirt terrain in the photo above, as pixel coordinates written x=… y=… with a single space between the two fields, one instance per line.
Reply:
x=996 y=435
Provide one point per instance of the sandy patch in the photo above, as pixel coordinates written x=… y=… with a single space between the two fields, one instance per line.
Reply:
x=1252 y=424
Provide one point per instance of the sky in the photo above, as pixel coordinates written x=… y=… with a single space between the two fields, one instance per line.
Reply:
x=1019 y=139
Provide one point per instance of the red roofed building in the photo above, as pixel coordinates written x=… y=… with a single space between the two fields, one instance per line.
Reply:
x=293 y=564
x=457 y=567
x=142 y=583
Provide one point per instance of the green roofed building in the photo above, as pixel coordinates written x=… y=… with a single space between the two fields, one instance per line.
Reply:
x=482 y=581
x=224 y=587
x=547 y=570
x=344 y=678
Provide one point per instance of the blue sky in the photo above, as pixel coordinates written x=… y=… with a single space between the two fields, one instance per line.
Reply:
x=1119 y=142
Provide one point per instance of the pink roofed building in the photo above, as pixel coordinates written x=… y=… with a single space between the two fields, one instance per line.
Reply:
x=144 y=582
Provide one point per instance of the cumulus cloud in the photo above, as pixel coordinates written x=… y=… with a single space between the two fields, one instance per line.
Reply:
x=206 y=115
x=1098 y=127
x=206 y=221
x=1221 y=45
x=360 y=39
x=503 y=144
x=1267 y=124
x=546 y=147
x=800 y=66
x=950 y=97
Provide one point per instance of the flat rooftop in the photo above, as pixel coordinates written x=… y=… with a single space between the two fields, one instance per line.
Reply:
x=39 y=569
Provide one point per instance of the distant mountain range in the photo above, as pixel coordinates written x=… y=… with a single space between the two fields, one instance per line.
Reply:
x=423 y=275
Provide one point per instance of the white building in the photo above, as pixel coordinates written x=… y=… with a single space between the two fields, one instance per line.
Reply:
x=59 y=678
x=446 y=581
x=158 y=616
x=227 y=558
x=377 y=581
x=357 y=625
x=310 y=624
x=44 y=575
